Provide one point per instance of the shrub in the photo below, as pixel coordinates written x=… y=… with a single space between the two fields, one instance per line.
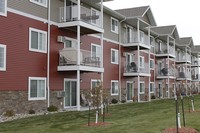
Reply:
x=123 y=101
x=153 y=97
x=31 y=111
x=114 y=101
x=135 y=99
x=9 y=113
x=52 y=108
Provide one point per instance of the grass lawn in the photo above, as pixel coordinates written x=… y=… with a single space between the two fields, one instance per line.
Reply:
x=150 y=117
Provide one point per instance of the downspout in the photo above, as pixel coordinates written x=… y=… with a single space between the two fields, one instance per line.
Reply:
x=120 y=40
x=48 y=54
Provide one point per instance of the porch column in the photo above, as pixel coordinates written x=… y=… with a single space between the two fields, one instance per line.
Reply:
x=138 y=88
x=149 y=62
x=78 y=71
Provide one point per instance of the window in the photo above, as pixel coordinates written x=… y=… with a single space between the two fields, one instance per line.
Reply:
x=114 y=56
x=152 y=89
x=114 y=25
x=96 y=50
x=37 y=40
x=70 y=43
x=114 y=87
x=141 y=36
x=40 y=2
x=94 y=84
x=95 y=13
x=3 y=7
x=141 y=62
x=152 y=63
x=2 y=57
x=141 y=87
x=37 y=88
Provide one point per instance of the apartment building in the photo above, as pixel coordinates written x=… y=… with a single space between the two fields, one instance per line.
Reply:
x=52 y=52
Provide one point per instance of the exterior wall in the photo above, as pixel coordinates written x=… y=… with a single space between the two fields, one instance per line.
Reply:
x=15 y=35
x=107 y=28
x=28 y=7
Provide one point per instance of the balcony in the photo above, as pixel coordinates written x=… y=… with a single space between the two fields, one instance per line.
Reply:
x=195 y=77
x=90 y=19
x=184 y=76
x=195 y=63
x=142 y=40
x=133 y=69
x=68 y=61
x=183 y=58
x=166 y=73
x=164 y=52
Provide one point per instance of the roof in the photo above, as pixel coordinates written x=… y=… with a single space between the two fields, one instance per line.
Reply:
x=185 y=41
x=138 y=12
x=165 y=30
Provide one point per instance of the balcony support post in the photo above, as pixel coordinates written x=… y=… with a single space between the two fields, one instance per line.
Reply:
x=79 y=9
x=78 y=63
x=138 y=78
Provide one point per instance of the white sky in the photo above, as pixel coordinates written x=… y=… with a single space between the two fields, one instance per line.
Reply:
x=182 y=13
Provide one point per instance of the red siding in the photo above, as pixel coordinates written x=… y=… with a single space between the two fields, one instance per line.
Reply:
x=21 y=63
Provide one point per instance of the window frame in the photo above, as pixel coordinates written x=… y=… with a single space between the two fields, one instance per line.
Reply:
x=96 y=81
x=115 y=94
x=116 y=30
x=38 y=31
x=5 y=9
x=152 y=68
x=153 y=89
x=29 y=88
x=116 y=61
x=142 y=63
x=4 y=57
x=143 y=91
x=39 y=3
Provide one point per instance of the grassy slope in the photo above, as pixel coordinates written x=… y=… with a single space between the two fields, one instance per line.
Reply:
x=149 y=117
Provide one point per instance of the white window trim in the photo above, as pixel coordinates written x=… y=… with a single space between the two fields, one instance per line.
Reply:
x=153 y=64
x=38 y=3
x=117 y=31
x=144 y=87
x=39 y=31
x=114 y=94
x=153 y=87
x=93 y=80
x=99 y=46
x=92 y=9
x=142 y=61
x=29 y=88
x=5 y=13
x=4 y=67
x=116 y=61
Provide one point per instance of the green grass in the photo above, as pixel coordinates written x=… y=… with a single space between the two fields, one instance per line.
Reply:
x=151 y=117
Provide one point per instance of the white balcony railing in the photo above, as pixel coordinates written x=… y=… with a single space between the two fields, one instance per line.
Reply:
x=195 y=62
x=70 y=13
x=183 y=57
x=133 y=67
x=68 y=56
x=184 y=75
x=135 y=38
x=166 y=72
x=165 y=51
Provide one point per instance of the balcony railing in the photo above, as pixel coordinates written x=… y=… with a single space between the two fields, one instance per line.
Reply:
x=166 y=72
x=133 y=67
x=195 y=76
x=141 y=38
x=184 y=75
x=165 y=51
x=70 y=13
x=68 y=56
x=183 y=57
x=195 y=62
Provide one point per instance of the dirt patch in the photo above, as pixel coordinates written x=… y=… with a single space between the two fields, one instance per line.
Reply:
x=180 y=130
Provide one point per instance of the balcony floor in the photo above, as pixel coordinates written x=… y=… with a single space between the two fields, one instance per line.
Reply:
x=129 y=74
x=85 y=28
x=166 y=77
x=81 y=68
x=134 y=46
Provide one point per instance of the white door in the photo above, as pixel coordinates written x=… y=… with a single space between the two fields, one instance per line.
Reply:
x=70 y=93
x=160 y=90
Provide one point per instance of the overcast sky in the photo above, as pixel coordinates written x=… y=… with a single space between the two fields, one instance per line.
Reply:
x=185 y=14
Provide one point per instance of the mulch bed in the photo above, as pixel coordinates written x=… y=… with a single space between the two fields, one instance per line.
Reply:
x=180 y=130
x=192 y=111
x=99 y=124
